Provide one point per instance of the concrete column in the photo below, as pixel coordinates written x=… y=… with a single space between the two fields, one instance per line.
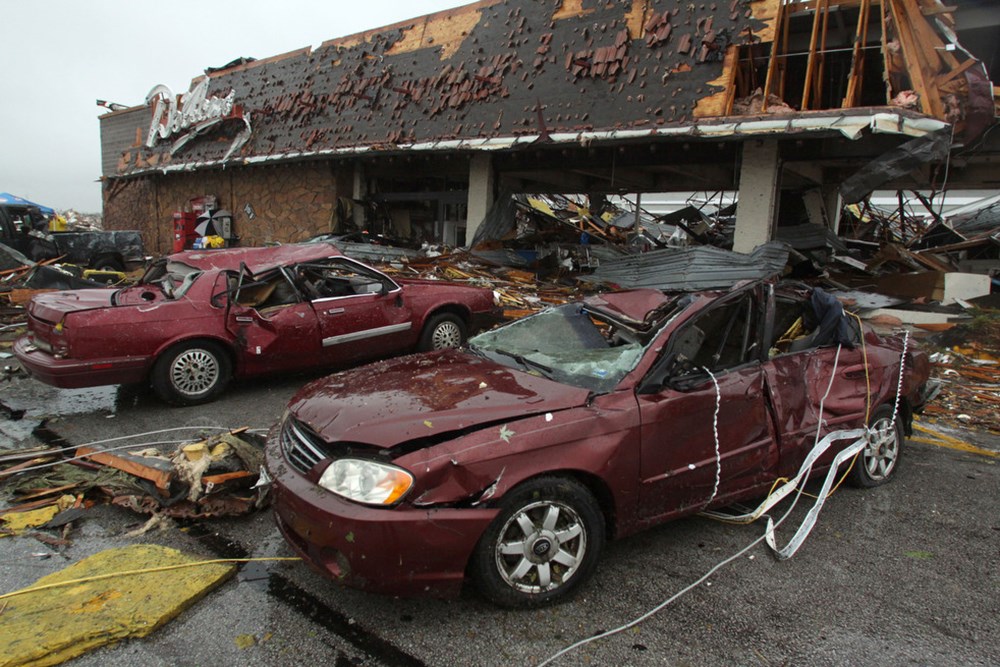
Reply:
x=760 y=176
x=481 y=181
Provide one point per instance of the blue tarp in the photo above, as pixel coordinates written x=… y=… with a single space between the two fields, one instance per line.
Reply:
x=7 y=198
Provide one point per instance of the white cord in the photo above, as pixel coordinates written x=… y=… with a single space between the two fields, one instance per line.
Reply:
x=134 y=445
x=899 y=382
x=100 y=451
x=715 y=433
x=818 y=449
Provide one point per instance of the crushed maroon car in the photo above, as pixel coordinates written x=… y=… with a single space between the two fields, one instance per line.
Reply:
x=199 y=318
x=511 y=462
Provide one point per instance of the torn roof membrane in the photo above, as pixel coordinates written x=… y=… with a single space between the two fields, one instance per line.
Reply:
x=496 y=75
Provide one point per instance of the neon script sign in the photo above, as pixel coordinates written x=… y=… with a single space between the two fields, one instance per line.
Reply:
x=192 y=113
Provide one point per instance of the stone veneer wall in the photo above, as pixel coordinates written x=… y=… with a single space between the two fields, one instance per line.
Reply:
x=291 y=202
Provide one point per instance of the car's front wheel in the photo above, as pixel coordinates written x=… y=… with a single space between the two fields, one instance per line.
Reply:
x=442 y=332
x=191 y=373
x=876 y=463
x=543 y=545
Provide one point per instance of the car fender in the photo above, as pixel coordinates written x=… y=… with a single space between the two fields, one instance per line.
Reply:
x=586 y=443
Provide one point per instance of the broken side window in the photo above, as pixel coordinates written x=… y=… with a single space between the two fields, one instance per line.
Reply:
x=723 y=337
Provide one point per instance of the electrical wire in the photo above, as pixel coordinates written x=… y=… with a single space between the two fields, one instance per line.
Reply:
x=133 y=445
x=150 y=570
x=61 y=461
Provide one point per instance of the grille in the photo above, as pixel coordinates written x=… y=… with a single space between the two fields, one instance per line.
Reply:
x=301 y=447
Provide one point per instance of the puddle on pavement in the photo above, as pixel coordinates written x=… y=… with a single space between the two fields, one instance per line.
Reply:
x=261 y=576
x=78 y=401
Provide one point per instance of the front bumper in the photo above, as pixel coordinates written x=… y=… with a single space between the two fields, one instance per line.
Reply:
x=401 y=550
x=75 y=373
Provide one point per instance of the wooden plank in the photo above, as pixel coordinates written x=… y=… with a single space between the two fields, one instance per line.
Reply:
x=7 y=472
x=158 y=471
x=772 y=62
x=821 y=6
x=945 y=78
x=920 y=79
x=224 y=481
x=33 y=505
x=886 y=65
x=818 y=99
x=857 y=57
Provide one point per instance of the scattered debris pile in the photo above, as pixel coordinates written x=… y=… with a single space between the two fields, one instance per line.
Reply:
x=82 y=222
x=53 y=487
x=968 y=367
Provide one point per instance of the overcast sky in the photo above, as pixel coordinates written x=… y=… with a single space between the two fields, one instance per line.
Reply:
x=57 y=57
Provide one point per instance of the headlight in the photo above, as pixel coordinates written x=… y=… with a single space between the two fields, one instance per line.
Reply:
x=366 y=481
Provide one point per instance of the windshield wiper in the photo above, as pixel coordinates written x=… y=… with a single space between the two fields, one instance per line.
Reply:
x=524 y=361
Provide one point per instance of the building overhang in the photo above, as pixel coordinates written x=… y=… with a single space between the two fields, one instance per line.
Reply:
x=851 y=124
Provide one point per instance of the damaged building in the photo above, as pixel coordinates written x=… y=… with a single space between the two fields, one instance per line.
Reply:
x=418 y=128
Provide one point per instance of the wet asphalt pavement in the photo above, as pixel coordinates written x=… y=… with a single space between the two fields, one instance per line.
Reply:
x=906 y=574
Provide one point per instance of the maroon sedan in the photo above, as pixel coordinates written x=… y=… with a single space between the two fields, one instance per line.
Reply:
x=198 y=318
x=511 y=462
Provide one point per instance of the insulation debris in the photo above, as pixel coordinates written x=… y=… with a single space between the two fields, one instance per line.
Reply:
x=106 y=603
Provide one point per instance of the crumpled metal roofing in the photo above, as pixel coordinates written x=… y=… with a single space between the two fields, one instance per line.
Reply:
x=692 y=269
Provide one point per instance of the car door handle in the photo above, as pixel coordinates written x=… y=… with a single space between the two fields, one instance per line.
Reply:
x=244 y=319
x=335 y=311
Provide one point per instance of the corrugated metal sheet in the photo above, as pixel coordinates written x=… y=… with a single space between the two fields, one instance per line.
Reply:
x=692 y=269
x=810 y=237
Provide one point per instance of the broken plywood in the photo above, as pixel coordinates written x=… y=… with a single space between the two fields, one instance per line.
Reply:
x=446 y=32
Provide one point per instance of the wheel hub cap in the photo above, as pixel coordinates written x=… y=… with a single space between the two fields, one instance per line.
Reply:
x=194 y=372
x=541 y=547
x=446 y=335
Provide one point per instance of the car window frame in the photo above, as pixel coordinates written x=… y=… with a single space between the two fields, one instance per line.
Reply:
x=661 y=374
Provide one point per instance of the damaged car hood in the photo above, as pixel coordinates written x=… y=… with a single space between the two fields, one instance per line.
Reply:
x=424 y=396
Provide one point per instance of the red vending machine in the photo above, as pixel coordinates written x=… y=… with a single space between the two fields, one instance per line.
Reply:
x=184 y=230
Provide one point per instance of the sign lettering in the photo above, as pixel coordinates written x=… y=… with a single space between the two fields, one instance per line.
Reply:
x=191 y=114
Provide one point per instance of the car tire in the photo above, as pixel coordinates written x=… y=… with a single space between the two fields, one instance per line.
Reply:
x=878 y=461
x=441 y=332
x=542 y=546
x=191 y=373
x=107 y=263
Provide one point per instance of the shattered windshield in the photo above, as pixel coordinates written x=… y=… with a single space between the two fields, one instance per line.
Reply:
x=567 y=344
x=173 y=278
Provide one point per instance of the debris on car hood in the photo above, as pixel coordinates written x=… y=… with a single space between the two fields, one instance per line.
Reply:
x=432 y=394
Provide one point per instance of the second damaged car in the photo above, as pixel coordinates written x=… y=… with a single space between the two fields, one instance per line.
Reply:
x=512 y=461
x=199 y=318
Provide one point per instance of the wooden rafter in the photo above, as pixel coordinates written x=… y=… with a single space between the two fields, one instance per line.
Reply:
x=858 y=56
x=776 y=46
x=921 y=69
x=811 y=63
